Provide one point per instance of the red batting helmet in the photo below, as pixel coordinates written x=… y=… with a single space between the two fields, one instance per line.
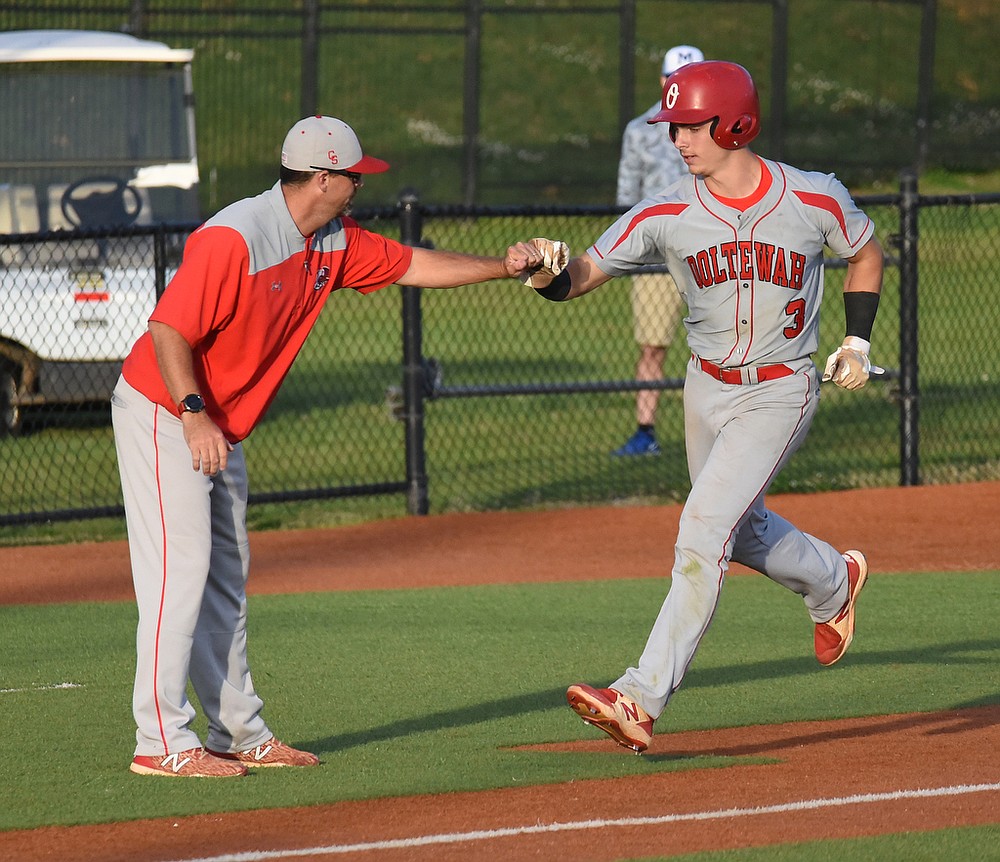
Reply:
x=713 y=90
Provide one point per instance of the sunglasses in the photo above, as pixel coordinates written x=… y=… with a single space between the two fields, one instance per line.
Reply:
x=353 y=176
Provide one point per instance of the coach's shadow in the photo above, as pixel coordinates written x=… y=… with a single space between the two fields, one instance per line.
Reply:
x=520 y=705
x=952 y=654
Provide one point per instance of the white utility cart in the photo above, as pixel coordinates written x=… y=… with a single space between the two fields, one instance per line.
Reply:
x=96 y=134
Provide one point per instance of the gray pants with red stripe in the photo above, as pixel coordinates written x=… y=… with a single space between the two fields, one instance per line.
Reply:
x=738 y=437
x=190 y=558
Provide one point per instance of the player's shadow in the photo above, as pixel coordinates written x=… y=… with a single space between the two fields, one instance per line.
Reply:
x=788 y=737
x=966 y=652
x=958 y=652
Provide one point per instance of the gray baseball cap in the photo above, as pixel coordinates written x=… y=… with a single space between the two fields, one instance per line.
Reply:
x=326 y=144
x=680 y=55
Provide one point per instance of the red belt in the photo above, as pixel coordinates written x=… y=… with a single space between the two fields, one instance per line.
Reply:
x=744 y=374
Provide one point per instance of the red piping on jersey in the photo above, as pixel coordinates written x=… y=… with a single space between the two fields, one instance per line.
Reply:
x=736 y=237
x=649 y=212
x=753 y=230
x=163 y=581
x=764 y=185
x=825 y=202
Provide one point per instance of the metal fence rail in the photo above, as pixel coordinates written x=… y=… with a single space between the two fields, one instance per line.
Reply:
x=486 y=397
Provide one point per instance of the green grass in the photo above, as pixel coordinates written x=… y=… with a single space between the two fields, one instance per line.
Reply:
x=425 y=691
x=981 y=843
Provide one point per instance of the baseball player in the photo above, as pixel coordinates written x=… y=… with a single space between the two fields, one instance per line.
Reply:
x=252 y=283
x=649 y=163
x=743 y=237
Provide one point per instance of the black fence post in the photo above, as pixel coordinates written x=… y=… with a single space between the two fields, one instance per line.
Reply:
x=470 y=99
x=925 y=82
x=909 y=392
x=626 y=63
x=309 y=97
x=417 y=501
x=779 y=77
x=160 y=260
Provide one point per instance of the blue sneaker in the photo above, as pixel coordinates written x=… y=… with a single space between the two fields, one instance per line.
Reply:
x=640 y=443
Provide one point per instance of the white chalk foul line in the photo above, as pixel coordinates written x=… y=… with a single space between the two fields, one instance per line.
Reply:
x=51 y=687
x=580 y=825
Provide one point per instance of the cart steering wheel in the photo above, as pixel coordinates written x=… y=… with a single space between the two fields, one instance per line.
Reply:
x=89 y=203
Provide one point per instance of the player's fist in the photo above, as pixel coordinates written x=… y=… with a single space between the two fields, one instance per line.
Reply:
x=849 y=365
x=554 y=257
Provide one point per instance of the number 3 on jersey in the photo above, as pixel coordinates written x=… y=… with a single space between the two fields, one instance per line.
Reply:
x=796 y=310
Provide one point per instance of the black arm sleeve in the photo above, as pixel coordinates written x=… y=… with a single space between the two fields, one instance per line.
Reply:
x=558 y=288
x=859 y=309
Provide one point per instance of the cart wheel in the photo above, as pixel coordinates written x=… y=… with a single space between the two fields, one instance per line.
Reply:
x=11 y=415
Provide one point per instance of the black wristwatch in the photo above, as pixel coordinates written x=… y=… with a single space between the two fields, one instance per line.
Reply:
x=192 y=403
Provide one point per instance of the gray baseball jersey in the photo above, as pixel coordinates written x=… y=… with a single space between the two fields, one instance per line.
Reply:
x=752 y=276
x=752 y=281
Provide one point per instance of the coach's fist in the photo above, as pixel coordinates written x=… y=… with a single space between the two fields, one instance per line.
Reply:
x=522 y=259
x=554 y=258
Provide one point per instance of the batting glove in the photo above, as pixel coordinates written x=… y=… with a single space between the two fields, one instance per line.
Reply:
x=849 y=366
x=555 y=256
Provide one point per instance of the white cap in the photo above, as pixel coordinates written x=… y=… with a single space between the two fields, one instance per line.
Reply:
x=680 y=55
x=326 y=144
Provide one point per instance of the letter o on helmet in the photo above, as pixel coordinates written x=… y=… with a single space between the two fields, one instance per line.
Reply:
x=713 y=90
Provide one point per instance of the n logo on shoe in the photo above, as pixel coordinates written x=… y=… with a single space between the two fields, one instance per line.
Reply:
x=173 y=763
x=630 y=709
x=261 y=751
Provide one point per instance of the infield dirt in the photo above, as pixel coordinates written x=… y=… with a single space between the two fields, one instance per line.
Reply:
x=939 y=528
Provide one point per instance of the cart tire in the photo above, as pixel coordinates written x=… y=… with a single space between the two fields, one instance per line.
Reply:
x=11 y=415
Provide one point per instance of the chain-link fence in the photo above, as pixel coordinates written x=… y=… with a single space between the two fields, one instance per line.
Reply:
x=524 y=101
x=487 y=397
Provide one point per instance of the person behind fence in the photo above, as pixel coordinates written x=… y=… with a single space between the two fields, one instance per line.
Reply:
x=744 y=238
x=649 y=163
x=219 y=342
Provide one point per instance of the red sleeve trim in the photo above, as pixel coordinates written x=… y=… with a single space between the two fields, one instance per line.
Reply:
x=825 y=202
x=638 y=218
